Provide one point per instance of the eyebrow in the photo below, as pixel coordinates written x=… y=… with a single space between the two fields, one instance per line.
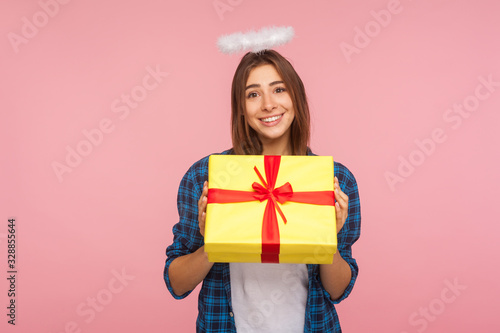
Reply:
x=256 y=85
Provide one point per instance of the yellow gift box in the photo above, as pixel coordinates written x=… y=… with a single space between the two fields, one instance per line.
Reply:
x=270 y=209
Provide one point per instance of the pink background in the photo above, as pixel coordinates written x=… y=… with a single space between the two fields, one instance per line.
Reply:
x=114 y=211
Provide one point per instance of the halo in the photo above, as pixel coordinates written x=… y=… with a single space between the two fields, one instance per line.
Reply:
x=255 y=41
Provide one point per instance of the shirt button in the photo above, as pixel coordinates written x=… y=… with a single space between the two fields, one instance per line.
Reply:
x=230 y=314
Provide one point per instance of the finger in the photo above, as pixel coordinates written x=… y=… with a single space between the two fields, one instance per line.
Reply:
x=204 y=201
x=337 y=188
x=340 y=212
x=341 y=208
x=341 y=196
x=339 y=193
x=204 y=194
x=343 y=205
x=201 y=224
x=202 y=207
x=204 y=191
x=343 y=200
x=339 y=215
x=199 y=200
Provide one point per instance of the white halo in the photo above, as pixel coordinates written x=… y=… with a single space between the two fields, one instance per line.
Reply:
x=255 y=41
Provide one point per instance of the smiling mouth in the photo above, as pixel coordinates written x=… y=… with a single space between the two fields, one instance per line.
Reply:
x=271 y=119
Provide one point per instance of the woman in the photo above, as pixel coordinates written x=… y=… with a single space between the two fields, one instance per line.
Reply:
x=270 y=116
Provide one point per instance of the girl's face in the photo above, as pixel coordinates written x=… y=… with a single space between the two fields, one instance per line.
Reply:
x=269 y=107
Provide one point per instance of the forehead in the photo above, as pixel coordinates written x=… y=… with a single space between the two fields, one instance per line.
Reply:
x=263 y=74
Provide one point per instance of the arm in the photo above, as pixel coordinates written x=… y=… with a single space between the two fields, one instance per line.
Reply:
x=187 y=265
x=338 y=278
x=187 y=271
x=335 y=277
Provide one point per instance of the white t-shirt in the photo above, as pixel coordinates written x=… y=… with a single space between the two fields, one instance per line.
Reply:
x=269 y=297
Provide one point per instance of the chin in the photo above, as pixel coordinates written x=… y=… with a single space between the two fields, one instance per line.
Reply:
x=273 y=136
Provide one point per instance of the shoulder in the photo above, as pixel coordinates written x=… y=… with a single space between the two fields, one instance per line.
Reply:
x=199 y=169
x=343 y=173
x=349 y=186
x=345 y=176
x=191 y=184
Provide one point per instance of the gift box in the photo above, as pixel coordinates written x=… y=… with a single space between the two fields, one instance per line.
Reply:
x=270 y=209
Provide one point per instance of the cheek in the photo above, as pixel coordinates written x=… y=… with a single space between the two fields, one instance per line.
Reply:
x=289 y=104
x=246 y=109
x=291 y=110
x=250 y=110
x=247 y=117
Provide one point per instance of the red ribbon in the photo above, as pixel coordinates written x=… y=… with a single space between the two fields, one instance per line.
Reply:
x=268 y=191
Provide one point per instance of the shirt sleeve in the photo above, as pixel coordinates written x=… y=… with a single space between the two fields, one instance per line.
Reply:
x=351 y=230
x=187 y=237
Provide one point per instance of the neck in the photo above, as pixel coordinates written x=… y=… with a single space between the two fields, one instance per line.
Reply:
x=277 y=148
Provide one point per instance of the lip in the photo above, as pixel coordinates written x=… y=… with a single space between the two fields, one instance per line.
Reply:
x=272 y=123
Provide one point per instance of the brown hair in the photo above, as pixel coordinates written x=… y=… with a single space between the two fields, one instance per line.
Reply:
x=245 y=139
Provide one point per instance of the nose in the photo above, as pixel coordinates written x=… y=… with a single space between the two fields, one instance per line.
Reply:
x=268 y=103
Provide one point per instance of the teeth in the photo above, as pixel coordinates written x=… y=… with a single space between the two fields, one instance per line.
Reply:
x=270 y=119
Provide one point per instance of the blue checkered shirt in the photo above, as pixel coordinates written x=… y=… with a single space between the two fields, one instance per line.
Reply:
x=214 y=302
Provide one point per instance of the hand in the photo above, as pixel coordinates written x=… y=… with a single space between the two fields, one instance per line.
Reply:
x=341 y=205
x=202 y=208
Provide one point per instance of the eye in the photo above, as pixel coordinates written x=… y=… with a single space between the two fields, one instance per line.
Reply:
x=252 y=95
x=280 y=90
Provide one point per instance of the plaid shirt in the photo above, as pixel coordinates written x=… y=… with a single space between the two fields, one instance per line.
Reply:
x=214 y=301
